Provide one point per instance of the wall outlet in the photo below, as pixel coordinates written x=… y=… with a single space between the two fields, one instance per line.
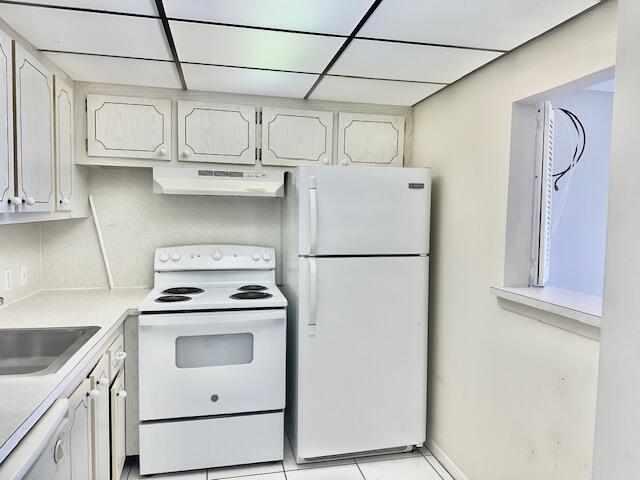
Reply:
x=8 y=280
x=24 y=279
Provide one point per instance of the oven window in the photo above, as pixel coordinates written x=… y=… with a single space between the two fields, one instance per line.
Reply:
x=214 y=350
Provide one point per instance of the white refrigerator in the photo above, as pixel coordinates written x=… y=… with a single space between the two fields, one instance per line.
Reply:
x=355 y=272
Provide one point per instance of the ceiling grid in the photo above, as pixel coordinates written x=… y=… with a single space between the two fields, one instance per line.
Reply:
x=395 y=52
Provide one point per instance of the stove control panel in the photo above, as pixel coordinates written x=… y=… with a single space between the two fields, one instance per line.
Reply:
x=214 y=257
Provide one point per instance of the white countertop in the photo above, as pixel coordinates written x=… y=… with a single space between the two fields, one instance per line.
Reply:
x=24 y=399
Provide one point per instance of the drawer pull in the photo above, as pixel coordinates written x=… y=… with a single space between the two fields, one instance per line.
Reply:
x=122 y=393
x=120 y=356
x=95 y=393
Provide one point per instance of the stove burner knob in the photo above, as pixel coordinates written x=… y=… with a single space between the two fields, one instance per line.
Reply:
x=266 y=257
x=163 y=257
x=175 y=256
x=256 y=255
x=217 y=255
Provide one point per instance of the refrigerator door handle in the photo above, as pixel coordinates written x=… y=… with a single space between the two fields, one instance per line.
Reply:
x=313 y=290
x=313 y=216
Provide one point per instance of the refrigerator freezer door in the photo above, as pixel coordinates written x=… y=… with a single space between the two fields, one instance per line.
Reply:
x=363 y=210
x=361 y=379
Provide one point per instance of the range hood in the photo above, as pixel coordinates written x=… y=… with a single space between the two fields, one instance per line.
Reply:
x=202 y=181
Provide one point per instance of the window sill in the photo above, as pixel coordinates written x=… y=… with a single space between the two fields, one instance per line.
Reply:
x=573 y=311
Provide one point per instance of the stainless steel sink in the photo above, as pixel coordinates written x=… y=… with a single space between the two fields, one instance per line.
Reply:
x=40 y=351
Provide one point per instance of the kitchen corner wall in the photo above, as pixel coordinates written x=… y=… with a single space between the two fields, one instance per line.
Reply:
x=135 y=221
x=510 y=398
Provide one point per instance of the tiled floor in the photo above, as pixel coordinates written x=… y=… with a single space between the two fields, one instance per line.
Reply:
x=416 y=465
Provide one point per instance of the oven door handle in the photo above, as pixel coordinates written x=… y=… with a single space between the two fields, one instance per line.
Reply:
x=212 y=320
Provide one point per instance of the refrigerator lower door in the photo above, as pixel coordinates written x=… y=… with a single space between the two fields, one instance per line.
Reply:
x=363 y=210
x=362 y=355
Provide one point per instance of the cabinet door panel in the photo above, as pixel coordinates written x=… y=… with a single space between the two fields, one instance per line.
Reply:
x=370 y=140
x=34 y=132
x=64 y=144
x=210 y=132
x=295 y=137
x=80 y=439
x=118 y=437
x=6 y=124
x=128 y=127
x=100 y=420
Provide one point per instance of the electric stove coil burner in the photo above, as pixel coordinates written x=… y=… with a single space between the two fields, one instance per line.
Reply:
x=252 y=288
x=182 y=290
x=250 y=295
x=172 y=298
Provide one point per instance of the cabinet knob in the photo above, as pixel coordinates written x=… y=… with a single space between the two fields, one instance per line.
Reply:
x=30 y=201
x=324 y=160
x=122 y=393
x=104 y=381
x=120 y=356
x=16 y=201
x=175 y=256
x=95 y=393
x=345 y=161
x=186 y=153
x=162 y=152
x=217 y=255
x=58 y=451
x=65 y=201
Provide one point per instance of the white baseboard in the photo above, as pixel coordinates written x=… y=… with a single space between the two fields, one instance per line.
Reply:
x=446 y=462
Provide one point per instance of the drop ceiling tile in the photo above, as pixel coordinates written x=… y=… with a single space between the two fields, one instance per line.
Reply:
x=246 y=47
x=495 y=24
x=247 y=81
x=401 y=61
x=326 y=16
x=123 y=71
x=74 y=31
x=140 y=7
x=372 y=91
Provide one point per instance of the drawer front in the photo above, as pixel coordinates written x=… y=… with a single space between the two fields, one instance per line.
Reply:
x=212 y=442
x=116 y=355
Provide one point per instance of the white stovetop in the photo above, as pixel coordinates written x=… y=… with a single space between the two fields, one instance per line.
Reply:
x=216 y=296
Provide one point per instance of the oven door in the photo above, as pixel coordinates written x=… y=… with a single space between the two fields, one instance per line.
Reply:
x=211 y=363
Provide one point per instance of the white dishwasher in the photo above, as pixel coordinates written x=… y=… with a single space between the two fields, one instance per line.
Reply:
x=43 y=452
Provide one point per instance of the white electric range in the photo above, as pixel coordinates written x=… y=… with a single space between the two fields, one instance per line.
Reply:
x=212 y=349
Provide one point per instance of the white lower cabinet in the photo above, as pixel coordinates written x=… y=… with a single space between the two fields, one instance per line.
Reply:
x=99 y=379
x=117 y=399
x=80 y=432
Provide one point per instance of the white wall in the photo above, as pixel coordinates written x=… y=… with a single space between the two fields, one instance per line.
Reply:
x=510 y=398
x=135 y=221
x=617 y=456
x=579 y=208
x=20 y=245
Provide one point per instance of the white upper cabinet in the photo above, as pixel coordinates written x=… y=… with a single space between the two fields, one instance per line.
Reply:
x=295 y=137
x=209 y=132
x=6 y=124
x=372 y=140
x=64 y=145
x=128 y=127
x=34 y=132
